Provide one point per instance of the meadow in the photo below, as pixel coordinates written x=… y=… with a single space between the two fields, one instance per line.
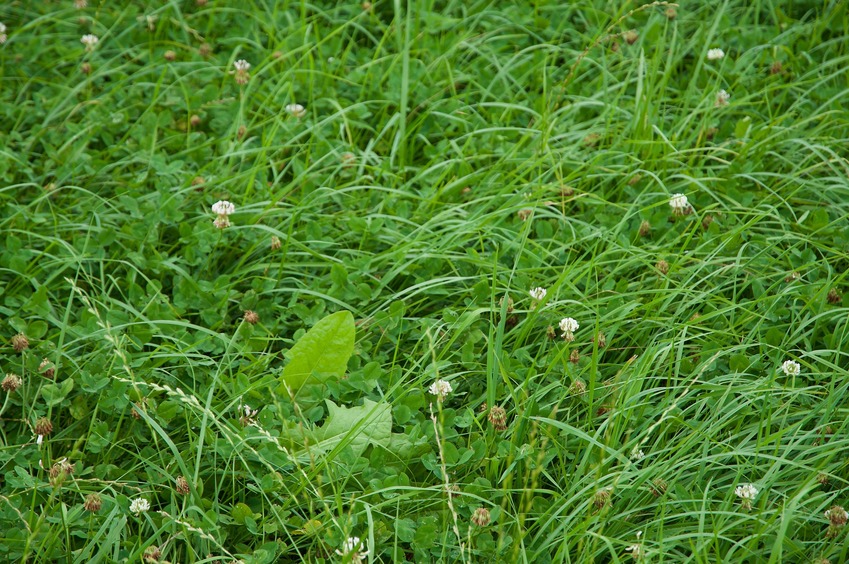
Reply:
x=424 y=281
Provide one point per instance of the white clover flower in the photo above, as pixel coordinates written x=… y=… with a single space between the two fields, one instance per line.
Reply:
x=441 y=389
x=715 y=54
x=80 y=4
x=354 y=548
x=242 y=75
x=637 y=454
x=223 y=207
x=139 y=506
x=722 y=98
x=746 y=491
x=791 y=368
x=568 y=326
x=89 y=40
x=39 y=440
x=538 y=294
x=296 y=110
x=2 y=32
x=679 y=204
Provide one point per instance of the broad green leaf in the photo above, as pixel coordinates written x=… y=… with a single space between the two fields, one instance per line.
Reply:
x=54 y=394
x=370 y=423
x=322 y=352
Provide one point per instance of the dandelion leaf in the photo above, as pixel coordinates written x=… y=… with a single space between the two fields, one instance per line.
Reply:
x=321 y=353
x=357 y=427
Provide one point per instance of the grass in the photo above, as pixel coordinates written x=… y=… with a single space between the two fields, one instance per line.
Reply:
x=453 y=156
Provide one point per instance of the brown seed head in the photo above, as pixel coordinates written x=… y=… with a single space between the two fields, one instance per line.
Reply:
x=834 y=296
x=195 y=120
x=567 y=191
x=591 y=140
x=601 y=340
x=509 y=304
x=277 y=54
x=275 y=243
x=711 y=132
x=481 y=517
x=645 y=228
x=525 y=214
x=550 y=332
x=201 y=3
x=43 y=426
x=671 y=14
x=85 y=68
x=706 y=221
x=575 y=356
x=578 y=388
x=92 y=502
x=251 y=317
x=138 y=407
x=59 y=471
x=822 y=479
x=601 y=498
x=792 y=277
x=170 y=55
x=198 y=181
x=498 y=418
x=837 y=516
x=630 y=36
x=205 y=50
x=662 y=267
x=47 y=369
x=11 y=383
x=241 y=132
x=511 y=321
x=776 y=68
x=482 y=408
x=366 y=6
x=634 y=179
x=20 y=342
x=658 y=487
x=182 y=486
x=152 y=554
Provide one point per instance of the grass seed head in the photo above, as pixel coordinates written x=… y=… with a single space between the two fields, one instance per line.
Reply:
x=662 y=267
x=182 y=486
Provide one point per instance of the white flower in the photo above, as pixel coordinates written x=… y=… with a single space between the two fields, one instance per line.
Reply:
x=39 y=440
x=722 y=98
x=746 y=493
x=223 y=207
x=636 y=551
x=791 y=368
x=679 y=204
x=637 y=454
x=296 y=110
x=2 y=32
x=715 y=54
x=89 y=41
x=354 y=548
x=80 y=4
x=836 y=514
x=242 y=65
x=139 y=506
x=568 y=326
x=538 y=294
x=441 y=389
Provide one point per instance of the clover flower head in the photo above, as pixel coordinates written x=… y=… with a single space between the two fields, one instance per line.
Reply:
x=441 y=389
x=2 y=33
x=715 y=54
x=89 y=40
x=837 y=516
x=722 y=99
x=139 y=506
x=569 y=326
x=746 y=491
x=242 y=65
x=679 y=204
x=791 y=368
x=637 y=454
x=223 y=207
x=296 y=110
x=538 y=294
x=353 y=548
